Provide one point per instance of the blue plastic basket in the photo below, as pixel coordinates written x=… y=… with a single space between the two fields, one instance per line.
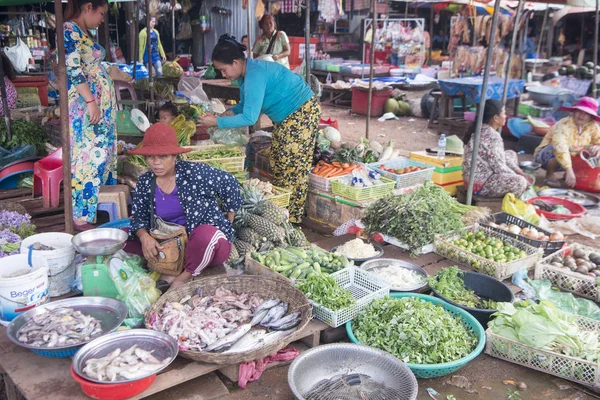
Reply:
x=123 y=223
x=518 y=127
x=64 y=353
x=437 y=370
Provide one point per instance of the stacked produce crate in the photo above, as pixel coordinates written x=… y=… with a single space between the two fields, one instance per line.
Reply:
x=447 y=173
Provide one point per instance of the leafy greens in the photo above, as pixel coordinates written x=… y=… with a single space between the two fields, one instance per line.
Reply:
x=449 y=283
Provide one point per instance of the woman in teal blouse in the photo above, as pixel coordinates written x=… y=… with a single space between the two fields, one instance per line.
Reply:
x=270 y=88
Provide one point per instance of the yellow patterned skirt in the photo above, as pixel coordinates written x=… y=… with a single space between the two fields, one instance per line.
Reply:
x=292 y=154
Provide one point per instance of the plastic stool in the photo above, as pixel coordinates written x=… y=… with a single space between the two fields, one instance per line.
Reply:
x=116 y=195
x=111 y=209
x=47 y=177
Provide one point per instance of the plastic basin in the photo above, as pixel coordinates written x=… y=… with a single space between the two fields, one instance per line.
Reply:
x=443 y=369
x=577 y=210
x=518 y=127
x=484 y=286
x=112 y=391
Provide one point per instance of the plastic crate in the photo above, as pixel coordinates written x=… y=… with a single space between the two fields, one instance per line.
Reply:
x=566 y=367
x=263 y=162
x=404 y=180
x=565 y=279
x=505 y=218
x=323 y=184
x=282 y=198
x=443 y=246
x=230 y=164
x=364 y=286
x=362 y=193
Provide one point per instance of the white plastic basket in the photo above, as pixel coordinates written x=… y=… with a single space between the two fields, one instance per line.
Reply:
x=364 y=286
x=570 y=368
x=565 y=279
x=404 y=180
x=443 y=246
x=319 y=183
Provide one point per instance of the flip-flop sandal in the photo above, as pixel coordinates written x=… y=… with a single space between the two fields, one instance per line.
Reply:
x=163 y=286
x=553 y=183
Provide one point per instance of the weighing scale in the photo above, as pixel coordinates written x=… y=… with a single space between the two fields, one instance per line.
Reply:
x=96 y=244
x=125 y=124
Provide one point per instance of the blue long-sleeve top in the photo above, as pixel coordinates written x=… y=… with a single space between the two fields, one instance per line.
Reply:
x=267 y=88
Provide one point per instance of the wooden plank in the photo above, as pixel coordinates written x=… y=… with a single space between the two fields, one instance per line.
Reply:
x=12 y=393
x=8 y=194
x=206 y=387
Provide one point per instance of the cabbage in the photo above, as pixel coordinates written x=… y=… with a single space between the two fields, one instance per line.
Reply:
x=171 y=69
x=332 y=134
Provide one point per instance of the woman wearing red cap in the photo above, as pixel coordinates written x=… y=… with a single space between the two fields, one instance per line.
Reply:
x=568 y=137
x=184 y=193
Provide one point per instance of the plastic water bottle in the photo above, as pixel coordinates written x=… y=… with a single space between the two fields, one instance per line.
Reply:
x=329 y=79
x=191 y=69
x=442 y=146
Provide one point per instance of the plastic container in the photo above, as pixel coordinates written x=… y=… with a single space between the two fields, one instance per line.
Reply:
x=298 y=49
x=518 y=127
x=319 y=183
x=588 y=178
x=576 y=210
x=505 y=218
x=485 y=287
x=62 y=282
x=362 y=193
x=470 y=115
x=230 y=164
x=436 y=370
x=123 y=223
x=112 y=391
x=360 y=99
x=59 y=259
x=23 y=292
x=404 y=180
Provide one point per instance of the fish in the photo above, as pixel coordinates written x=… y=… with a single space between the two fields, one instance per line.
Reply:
x=133 y=363
x=285 y=323
x=60 y=326
x=259 y=316
x=249 y=341
x=267 y=305
x=275 y=336
x=274 y=314
x=230 y=339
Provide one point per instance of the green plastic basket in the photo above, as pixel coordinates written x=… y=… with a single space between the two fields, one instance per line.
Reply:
x=363 y=193
x=437 y=370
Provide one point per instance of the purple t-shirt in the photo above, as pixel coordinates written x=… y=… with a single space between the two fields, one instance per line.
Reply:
x=168 y=206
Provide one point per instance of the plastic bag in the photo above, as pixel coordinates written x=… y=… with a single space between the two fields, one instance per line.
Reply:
x=564 y=300
x=322 y=142
x=530 y=193
x=185 y=130
x=191 y=87
x=18 y=55
x=136 y=287
x=230 y=137
x=518 y=208
x=16 y=154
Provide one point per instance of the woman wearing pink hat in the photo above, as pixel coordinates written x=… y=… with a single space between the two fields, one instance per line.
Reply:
x=568 y=137
x=184 y=193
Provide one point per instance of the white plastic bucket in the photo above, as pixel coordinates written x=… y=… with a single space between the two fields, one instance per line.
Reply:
x=23 y=292
x=62 y=282
x=59 y=259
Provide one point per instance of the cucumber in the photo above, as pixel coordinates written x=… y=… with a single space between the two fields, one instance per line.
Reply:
x=297 y=251
x=317 y=267
x=297 y=272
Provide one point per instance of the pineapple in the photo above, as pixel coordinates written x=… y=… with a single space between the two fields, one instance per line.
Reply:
x=265 y=228
x=243 y=248
x=233 y=255
x=250 y=236
x=273 y=213
x=294 y=236
x=254 y=201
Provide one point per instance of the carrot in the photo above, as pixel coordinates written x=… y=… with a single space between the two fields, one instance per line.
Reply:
x=316 y=169
x=334 y=172
x=336 y=164
x=338 y=173
x=345 y=165
x=323 y=171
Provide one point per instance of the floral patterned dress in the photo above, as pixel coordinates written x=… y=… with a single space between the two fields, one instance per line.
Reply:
x=93 y=147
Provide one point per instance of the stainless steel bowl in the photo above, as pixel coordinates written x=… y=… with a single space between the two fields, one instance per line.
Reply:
x=374 y=265
x=100 y=241
x=530 y=165
x=110 y=312
x=331 y=360
x=163 y=347
x=359 y=261
x=545 y=95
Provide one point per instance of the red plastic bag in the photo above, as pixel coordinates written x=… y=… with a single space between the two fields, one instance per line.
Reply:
x=329 y=122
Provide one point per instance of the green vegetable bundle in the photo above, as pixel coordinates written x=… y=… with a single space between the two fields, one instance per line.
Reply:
x=23 y=133
x=415 y=331
x=414 y=219
x=323 y=290
x=214 y=154
x=450 y=284
x=137 y=160
x=297 y=263
x=544 y=326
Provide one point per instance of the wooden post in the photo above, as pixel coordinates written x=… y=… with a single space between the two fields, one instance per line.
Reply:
x=307 y=41
x=371 y=62
x=594 y=84
x=136 y=39
x=539 y=45
x=130 y=29
x=64 y=116
x=174 y=42
x=106 y=35
x=249 y=22
x=5 y=103
x=148 y=50
x=513 y=44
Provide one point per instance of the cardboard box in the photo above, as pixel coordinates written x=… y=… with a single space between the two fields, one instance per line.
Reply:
x=430 y=159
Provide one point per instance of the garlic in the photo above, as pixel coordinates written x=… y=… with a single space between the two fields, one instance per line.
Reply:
x=514 y=229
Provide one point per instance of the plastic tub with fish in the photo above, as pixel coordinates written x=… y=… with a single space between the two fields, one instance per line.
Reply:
x=22 y=287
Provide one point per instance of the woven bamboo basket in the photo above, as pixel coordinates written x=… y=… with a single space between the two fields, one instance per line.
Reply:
x=267 y=287
x=12 y=206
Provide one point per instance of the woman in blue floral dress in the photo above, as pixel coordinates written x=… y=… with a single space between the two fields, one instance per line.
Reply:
x=92 y=113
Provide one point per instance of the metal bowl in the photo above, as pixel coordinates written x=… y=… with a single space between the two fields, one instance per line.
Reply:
x=331 y=360
x=584 y=199
x=110 y=312
x=359 y=261
x=374 y=265
x=545 y=95
x=530 y=165
x=100 y=241
x=163 y=347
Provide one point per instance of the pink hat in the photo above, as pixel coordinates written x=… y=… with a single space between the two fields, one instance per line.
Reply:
x=586 y=104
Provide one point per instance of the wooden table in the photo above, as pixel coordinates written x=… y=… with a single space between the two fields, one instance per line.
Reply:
x=221 y=89
x=336 y=96
x=342 y=76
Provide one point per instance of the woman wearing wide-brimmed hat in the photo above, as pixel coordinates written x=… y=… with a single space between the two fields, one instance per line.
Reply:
x=569 y=136
x=183 y=193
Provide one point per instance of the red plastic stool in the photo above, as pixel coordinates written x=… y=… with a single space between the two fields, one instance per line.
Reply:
x=47 y=176
x=588 y=178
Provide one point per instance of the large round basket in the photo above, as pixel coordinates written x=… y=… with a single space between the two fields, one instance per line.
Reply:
x=264 y=286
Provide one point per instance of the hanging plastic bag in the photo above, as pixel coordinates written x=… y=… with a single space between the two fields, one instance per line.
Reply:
x=191 y=87
x=518 y=208
x=18 y=55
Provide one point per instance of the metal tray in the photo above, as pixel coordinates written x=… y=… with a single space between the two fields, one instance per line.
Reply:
x=359 y=261
x=583 y=199
x=110 y=312
x=374 y=265
x=163 y=347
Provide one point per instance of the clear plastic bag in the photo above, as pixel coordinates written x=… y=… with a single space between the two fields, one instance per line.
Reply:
x=230 y=137
x=191 y=87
